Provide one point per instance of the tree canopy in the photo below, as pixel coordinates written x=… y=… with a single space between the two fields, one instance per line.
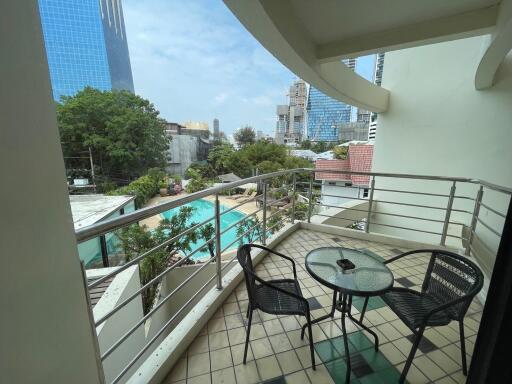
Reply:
x=123 y=130
x=245 y=136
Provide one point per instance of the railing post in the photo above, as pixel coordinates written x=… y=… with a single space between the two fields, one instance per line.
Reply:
x=310 y=197
x=264 y=224
x=370 y=203
x=474 y=219
x=217 y=242
x=294 y=192
x=448 y=213
x=104 y=251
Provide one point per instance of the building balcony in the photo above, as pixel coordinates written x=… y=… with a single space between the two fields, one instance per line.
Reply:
x=194 y=330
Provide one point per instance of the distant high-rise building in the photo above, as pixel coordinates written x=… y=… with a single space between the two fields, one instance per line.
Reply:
x=291 y=118
x=259 y=135
x=86 y=45
x=327 y=118
x=216 y=129
x=379 y=69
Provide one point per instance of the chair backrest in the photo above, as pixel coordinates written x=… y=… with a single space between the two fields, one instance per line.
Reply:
x=244 y=258
x=449 y=277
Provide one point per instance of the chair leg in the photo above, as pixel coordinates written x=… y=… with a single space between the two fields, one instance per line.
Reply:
x=311 y=348
x=248 y=309
x=247 y=336
x=364 y=309
x=408 y=363
x=463 y=347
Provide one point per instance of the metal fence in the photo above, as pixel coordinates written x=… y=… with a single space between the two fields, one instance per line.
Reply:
x=460 y=204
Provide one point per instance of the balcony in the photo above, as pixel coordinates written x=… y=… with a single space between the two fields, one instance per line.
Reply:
x=278 y=354
x=194 y=330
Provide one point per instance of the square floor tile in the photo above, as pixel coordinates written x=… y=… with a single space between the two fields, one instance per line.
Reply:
x=220 y=359
x=268 y=368
x=276 y=380
x=327 y=352
x=359 y=341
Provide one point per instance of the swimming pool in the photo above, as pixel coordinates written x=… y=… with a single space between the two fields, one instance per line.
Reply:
x=203 y=210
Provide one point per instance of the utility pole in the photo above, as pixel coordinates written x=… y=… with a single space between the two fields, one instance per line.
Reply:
x=92 y=169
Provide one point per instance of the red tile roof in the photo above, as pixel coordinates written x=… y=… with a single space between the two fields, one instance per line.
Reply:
x=359 y=160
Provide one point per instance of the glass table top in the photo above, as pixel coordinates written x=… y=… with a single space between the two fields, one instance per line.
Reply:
x=369 y=277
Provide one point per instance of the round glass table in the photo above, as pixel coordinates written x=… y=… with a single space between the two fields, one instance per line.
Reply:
x=365 y=276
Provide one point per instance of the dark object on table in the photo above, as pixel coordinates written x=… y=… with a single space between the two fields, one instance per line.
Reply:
x=345 y=264
x=451 y=282
x=278 y=297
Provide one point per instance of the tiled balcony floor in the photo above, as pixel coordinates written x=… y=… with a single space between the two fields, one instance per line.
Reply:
x=278 y=355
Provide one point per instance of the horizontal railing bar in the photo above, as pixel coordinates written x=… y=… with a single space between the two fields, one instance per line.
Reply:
x=488 y=227
x=421 y=206
x=239 y=205
x=239 y=237
x=157 y=335
x=148 y=284
x=345 y=197
x=240 y=221
x=386 y=213
x=94 y=230
x=409 y=229
x=272 y=203
x=127 y=334
x=411 y=192
x=148 y=252
x=492 y=210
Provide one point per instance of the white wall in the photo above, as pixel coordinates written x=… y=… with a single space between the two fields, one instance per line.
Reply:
x=109 y=332
x=46 y=332
x=438 y=124
x=339 y=189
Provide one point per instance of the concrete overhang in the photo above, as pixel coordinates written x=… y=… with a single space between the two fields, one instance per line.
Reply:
x=311 y=37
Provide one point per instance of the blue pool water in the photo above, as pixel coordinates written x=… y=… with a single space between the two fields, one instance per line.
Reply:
x=203 y=210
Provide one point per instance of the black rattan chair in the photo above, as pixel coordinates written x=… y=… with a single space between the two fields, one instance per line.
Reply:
x=451 y=282
x=278 y=297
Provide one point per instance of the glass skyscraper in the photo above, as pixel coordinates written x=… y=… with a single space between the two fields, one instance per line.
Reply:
x=325 y=115
x=86 y=45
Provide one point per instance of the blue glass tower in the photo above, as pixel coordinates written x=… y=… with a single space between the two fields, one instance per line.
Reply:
x=86 y=45
x=325 y=115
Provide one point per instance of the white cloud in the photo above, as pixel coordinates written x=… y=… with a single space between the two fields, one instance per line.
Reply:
x=195 y=61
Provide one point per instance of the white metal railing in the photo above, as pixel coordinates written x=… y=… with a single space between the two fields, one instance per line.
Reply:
x=297 y=181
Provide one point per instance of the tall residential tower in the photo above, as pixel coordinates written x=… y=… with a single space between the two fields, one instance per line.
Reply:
x=86 y=45
x=291 y=118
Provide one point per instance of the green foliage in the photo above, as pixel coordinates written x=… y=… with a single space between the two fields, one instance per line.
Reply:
x=305 y=144
x=319 y=147
x=340 y=153
x=253 y=234
x=301 y=211
x=143 y=188
x=276 y=222
x=196 y=181
x=206 y=233
x=136 y=240
x=123 y=130
x=245 y=136
x=219 y=158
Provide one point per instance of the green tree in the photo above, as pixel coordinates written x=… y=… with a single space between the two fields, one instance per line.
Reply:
x=245 y=136
x=219 y=158
x=249 y=230
x=319 y=147
x=207 y=233
x=305 y=144
x=239 y=164
x=136 y=240
x=340 y=152
x=123 y=130
x=196 y=182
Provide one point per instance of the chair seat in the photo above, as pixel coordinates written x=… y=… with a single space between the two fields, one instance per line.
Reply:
x=411 y=306
x=278 y=303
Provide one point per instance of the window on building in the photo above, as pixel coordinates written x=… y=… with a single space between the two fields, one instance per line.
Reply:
x=348 y=184
x=365 y=192
x=331 y=183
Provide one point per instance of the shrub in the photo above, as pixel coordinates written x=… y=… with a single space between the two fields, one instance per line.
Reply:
x=143 y=188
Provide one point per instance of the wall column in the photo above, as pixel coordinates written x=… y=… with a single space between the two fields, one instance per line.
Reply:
x=46 y=332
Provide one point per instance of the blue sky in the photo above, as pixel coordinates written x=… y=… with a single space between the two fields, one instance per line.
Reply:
x=195 y=61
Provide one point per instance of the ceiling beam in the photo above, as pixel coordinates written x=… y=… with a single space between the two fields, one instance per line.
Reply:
x=458 y=26
x=282 y=35
x=500 y=44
